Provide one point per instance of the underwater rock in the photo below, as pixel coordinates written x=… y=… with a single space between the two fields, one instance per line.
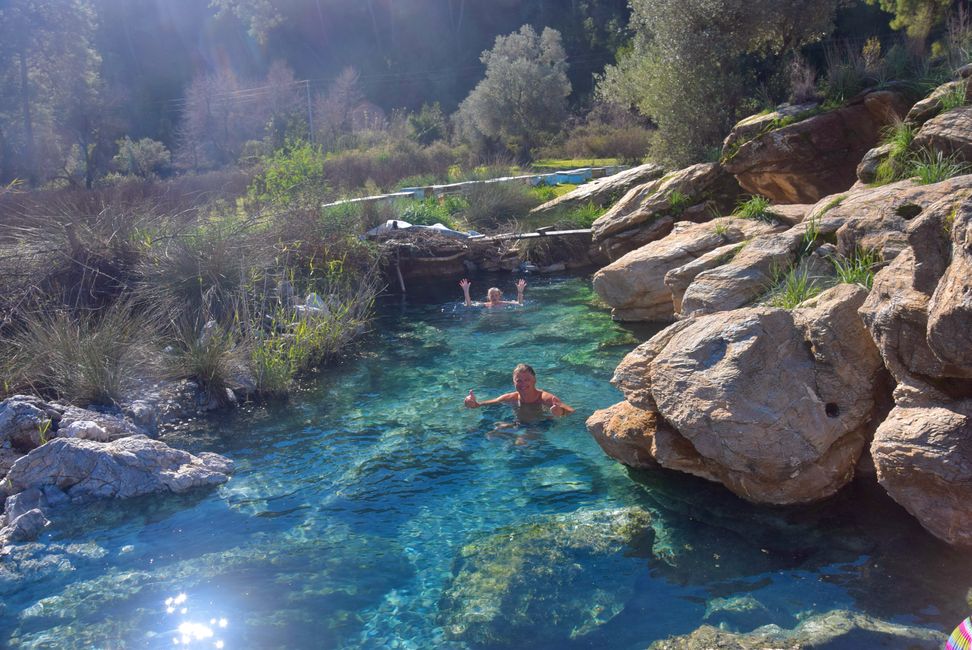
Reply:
x=836 y=629
x=634 y=285
x=561 y=576
x=736 y=612
x=125 y=468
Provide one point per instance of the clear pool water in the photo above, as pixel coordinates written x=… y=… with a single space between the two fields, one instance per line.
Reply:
x=372 y=510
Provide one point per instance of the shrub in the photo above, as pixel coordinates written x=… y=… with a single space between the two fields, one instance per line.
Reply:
x=290 y=175
x=205 y=353
x=955 y=97
x=933 y=167
x=677 y=202
x=425 y=213
x=492 y=204
x=145 y=158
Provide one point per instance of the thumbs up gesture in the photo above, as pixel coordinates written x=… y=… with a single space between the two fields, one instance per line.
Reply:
x=470 y=401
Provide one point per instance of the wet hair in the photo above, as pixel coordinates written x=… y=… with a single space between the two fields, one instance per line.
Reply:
x=524 y=368
x=491 y=290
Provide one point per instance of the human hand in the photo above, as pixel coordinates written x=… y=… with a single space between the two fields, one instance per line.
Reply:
x=521 y=285
x=470 y=401
x=465 y=284
x=556 y=407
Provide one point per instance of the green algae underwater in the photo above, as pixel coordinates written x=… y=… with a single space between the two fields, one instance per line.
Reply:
x=372 y=510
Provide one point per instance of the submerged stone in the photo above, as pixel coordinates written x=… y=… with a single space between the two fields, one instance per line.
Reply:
x=561 y=576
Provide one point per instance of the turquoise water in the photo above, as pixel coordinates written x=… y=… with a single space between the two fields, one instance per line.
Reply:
x=372 y=510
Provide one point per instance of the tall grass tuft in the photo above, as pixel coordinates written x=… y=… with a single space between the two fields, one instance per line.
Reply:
x=900 y=137
x=955 y=97
x=755 y=207
x=792 y=287
x=678 y=201
x=88 y=359
x=493 y=204
x=933 y=167
x=859 y=268
x=205 y=353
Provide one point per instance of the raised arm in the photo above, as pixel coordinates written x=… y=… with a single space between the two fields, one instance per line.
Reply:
x=464 y=283
x=520 y=286
x=472 y=403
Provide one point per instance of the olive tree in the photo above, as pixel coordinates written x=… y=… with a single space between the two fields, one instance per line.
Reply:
x=693 y=62
x=523 y=97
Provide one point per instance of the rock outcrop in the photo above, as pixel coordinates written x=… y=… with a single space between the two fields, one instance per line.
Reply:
x=649 y=212
x=601 y=191
x=634 y=285
x=810 y=154
x=949 y=134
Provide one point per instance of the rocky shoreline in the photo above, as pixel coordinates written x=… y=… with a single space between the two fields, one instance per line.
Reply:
x=780 y=403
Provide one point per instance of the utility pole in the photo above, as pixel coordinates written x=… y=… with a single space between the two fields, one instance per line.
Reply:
x=310 y=111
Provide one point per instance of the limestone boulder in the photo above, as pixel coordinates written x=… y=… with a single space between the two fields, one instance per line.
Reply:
x=931 y=106
x=897 y=312
x=602 y=191
x=748 y=275
x=923 y=456
x=950 y=307
x=949 y=133
x=803 y=161
x=25 y=422
x=125 y=468
x=772 y=403
x=678 y=279
x=631 y=376
x=649 y=211
x=867 y=169
x=634 y=285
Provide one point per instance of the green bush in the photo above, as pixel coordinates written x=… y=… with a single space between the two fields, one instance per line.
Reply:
x=290 y=175
x=494 y=204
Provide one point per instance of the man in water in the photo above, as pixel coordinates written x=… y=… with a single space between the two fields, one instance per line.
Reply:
x=527 y=400
x=494 y=297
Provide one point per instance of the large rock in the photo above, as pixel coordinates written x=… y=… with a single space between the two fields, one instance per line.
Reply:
x=125 y=468
x=949 y=134
x=602 y=191
x=634 y=285
x=836 y=629
x=27 y=422
x=923 y=456
x=811 y=158
x=950 y=307
x=647 y=212
x=931 y=106
x=774 y=404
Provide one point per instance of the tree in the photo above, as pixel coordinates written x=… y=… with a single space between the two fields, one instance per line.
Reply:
x=144 y=158
x=523 y=97
x=334 y=110
x=916 y=17
x=49 y=70
x=691 y=62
